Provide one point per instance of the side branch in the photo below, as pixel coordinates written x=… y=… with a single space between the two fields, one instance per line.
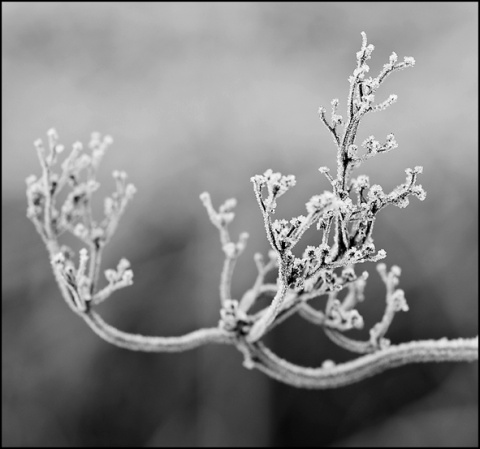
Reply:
x=137 y=342
x=459 y=350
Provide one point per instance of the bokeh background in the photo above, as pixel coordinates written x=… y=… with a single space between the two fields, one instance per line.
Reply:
x=199 y=97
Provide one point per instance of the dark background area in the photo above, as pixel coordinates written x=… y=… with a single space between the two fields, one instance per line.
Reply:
x=200 y=97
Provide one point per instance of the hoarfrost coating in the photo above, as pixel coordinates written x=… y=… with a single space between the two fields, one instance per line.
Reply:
x=344 y=217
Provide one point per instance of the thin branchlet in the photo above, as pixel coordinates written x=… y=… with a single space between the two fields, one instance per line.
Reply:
x=344 y=217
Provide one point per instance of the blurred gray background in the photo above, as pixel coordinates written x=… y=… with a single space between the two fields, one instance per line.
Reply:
x=201 y=97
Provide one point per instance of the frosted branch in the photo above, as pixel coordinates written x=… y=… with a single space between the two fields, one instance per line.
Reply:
x=334 y=376
x=344 y=217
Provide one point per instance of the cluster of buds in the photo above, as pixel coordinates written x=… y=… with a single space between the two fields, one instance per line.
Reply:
x=327 y=281
x=36 y=197
x=399 y=196
x=285 y=233
x=233 y=319
x=221 y=220
x=78 y=170
x=314 y=272
x=232 y=250
x=362 y=94
x=225 y=214
x=76 y=207
x=320 y=203
x=98 y=146
x=335 y=119
x=119 y=278
x=374 y=147
x=75 y=281
x=341 y=315
x=276 y=184
x=377 y=198
x=359 y=185
x=122 y=276
x=339 y=318
x=115 y=205
x=395 y=302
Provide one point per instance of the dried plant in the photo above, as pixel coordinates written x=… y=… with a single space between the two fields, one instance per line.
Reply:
x=344 y=216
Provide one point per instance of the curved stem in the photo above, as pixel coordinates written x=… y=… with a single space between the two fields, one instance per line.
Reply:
x=226 y=278
x=310 y=314
x=317 y=317
x=137 y=342
x=459 y=350
x=267 y=318
x=361 y=347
